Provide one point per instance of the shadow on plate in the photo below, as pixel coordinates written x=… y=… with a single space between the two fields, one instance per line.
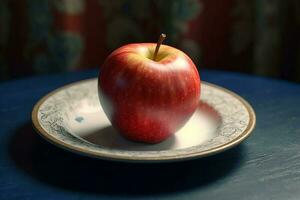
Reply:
x=60 y=168
x=108 y=137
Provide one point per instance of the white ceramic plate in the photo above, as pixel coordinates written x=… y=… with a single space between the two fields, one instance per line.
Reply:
x=71 y=117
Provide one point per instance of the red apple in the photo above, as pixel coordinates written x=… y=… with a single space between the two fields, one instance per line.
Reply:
x=148 y=99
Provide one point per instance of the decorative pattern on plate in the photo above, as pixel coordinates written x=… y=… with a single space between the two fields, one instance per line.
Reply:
x=54 y=111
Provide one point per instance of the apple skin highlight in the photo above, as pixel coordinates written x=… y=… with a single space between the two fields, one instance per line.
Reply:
x=148 y=100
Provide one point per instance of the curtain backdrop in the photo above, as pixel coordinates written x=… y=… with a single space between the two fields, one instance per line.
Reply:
x=47 y=36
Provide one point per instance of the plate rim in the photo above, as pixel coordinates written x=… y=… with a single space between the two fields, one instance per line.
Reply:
x=100 y=155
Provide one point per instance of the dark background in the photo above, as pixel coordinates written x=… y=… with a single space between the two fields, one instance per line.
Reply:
x=43 y=36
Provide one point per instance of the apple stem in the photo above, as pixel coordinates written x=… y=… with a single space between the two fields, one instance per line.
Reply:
x=159 y=42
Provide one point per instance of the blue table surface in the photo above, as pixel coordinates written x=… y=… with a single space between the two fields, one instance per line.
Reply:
x=265 y=166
